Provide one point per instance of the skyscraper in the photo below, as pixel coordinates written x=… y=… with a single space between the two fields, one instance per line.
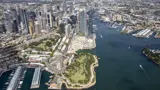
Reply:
x=31 y=27
x=2 y=28
x=44 y=21
x=67 y=30
x=15 y=19
x=83 y=27
x=24 y=19
x=37 y=27
x=15 y=26
x=90 y=22
x=8 y=21
x=49 y=19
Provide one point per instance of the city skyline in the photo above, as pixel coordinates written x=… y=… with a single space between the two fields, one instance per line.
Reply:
x=79 y=44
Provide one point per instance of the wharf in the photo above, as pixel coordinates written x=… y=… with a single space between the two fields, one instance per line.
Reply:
x=15 y=79
x=36 y=78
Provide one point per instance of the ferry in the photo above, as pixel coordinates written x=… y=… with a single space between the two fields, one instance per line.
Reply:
x=141 y=67
x=129 y=47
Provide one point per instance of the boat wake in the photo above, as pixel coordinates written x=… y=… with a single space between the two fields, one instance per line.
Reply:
x=100 y=34
x=144 y=72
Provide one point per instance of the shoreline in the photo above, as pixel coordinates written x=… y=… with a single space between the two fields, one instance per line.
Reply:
x=90 y=83
x=150 y=58
x=157 y=35
x=22 y=64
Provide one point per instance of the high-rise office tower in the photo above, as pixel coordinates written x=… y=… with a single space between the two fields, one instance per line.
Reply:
x=31 y=15
x=45 y=8
x=90 y=22
x=49 y=19
x=31 y=27
x=15 y=19
x=2 y=28
x=67 y=30
x=54 y=20
x=43 y=17
x=48 y=28
x=8 y=21
x=44 y=21
x=83 y=26
x=15 y=26
x=37 y=27
x=64 y=6
x=65 y=20
x=39 y=18
x=24 y=19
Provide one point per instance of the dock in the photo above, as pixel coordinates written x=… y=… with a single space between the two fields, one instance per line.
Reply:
x=144 y=33
x=15 y=79
x=36 y=78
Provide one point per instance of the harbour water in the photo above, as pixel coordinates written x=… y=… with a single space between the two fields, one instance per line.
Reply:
x=120 y=57
x=118 y=64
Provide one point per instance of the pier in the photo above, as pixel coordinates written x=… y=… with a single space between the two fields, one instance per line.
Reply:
x=144 y=33
x=36 y=78
x=15 y=79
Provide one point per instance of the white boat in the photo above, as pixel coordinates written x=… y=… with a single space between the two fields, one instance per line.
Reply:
x=141 y=67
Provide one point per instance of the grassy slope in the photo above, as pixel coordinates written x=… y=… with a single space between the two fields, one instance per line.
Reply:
x=79 y=71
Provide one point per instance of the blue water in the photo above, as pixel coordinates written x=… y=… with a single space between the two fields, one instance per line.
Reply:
x=4 y=78
x=118 y=65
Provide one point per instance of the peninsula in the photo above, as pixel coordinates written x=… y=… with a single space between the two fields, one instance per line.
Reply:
x=153 y=55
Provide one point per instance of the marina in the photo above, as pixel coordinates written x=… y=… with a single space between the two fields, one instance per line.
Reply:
x=144 y=33
x=15 y=79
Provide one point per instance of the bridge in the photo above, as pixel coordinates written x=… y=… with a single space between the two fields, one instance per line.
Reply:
x=31 y=1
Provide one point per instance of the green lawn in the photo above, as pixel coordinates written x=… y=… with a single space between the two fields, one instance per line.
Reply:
x=44 y=45
x=79 y=71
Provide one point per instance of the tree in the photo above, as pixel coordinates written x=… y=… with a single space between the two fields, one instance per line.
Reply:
x=39 y=49
x=43 y=63
x=48 y=43
x=25 y=47
x=51 y=55
x=24 y=56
